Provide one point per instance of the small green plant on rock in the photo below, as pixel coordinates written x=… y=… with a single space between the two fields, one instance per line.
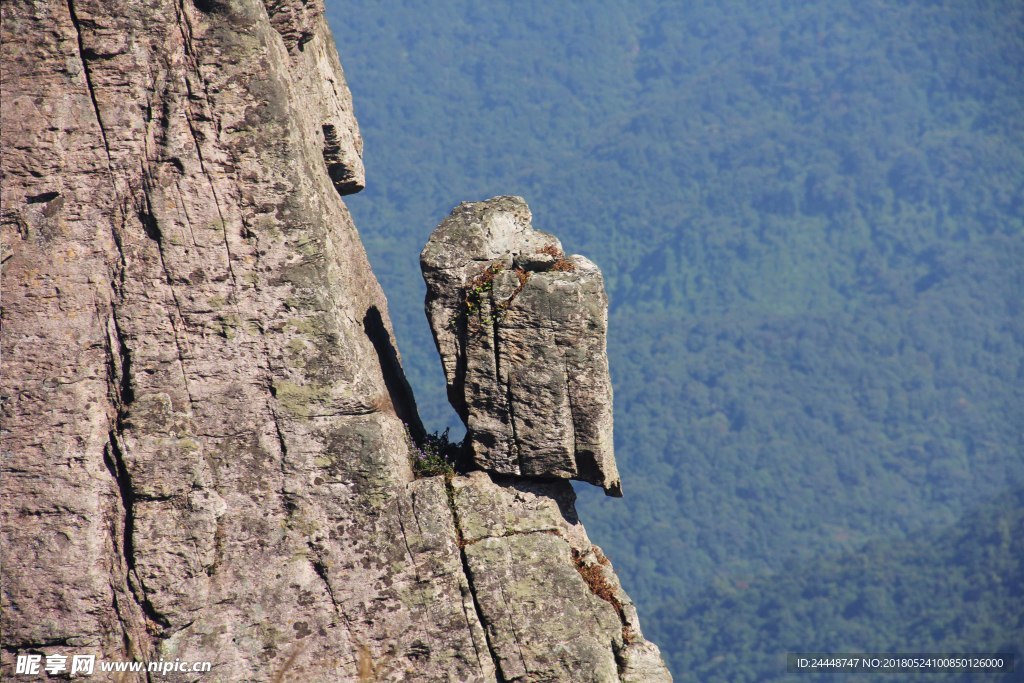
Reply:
x=479 y=286
x=472 y=299
x=435 y=455
x=471 y=312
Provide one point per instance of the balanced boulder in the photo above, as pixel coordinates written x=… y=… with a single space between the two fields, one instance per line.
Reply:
x=521 y=329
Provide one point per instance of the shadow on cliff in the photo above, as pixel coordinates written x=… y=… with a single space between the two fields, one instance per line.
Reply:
x=397 y=385
x=558 y=490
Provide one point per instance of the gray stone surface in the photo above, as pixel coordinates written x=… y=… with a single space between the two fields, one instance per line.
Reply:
x=204 y=455
x=548 y=598
x=521 y=330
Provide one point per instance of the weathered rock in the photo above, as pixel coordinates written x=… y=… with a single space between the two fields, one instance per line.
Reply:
x=549 y=600
x=204 y=455
x=203 y=448
x=521 y=331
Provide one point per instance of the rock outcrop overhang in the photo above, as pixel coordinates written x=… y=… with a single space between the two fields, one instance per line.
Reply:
x=204 y=455
x=521 y=328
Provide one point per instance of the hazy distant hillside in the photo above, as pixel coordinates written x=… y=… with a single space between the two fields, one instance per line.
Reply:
x=810 y=220
x=957 y=590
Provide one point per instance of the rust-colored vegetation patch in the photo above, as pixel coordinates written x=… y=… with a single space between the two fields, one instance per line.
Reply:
x=561 y=264
x=482 y=281
x=523 y=276
x=594 y=575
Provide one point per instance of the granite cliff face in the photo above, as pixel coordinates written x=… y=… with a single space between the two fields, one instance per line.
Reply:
x=204 y=455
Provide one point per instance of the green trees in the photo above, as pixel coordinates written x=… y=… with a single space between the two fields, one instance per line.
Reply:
x=952 y=590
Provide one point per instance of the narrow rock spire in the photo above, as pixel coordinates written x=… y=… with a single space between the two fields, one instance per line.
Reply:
x=521 y=329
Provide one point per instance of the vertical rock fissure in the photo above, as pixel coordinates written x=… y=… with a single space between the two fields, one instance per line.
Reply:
x=286 y=495
x=122 y=619
x=88 y=77
x=316 y=560
x=184 y=212
x=320 y=567
x=467 y=572
x=512 y=626
x=514 y=447
x=119 y=371
x=115 y=461
x=572 y=416
x=152 y=229
x=270 y=396
x=395 y=382
x=593 y=575
x=405 y=540
x=469 y=623
x=454 y=389
x=186 y=38
x=119 y=375
x=186 y=30
x=118 y=580
x=620 y=660
x=213 y=190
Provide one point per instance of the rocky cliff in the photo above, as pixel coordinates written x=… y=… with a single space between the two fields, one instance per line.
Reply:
x=206 y=429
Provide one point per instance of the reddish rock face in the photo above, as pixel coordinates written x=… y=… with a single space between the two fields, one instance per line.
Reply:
x=204 y=455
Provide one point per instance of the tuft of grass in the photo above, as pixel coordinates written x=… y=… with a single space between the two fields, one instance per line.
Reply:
x=436 y=454
x=477 y=287
x=473 y=294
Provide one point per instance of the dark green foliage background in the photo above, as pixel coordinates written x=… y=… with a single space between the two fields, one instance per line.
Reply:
x=810 y=219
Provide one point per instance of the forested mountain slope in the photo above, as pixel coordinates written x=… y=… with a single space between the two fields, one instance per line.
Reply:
x=956 y=590
x=809 y=217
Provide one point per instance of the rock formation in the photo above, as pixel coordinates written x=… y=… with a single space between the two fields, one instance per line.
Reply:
x=204 y=455
x=521 y=331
